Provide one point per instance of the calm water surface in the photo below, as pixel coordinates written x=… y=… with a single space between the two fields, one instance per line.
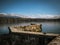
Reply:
x=49 y=27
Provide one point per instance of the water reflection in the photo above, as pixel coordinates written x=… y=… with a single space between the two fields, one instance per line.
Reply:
x=49 y=27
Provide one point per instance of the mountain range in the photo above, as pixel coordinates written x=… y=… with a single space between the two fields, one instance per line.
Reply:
x=32 y=17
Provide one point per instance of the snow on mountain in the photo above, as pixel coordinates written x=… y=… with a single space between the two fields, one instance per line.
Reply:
x=13 y=15
x=45 y=16
x=19 y=15
x=30 y=16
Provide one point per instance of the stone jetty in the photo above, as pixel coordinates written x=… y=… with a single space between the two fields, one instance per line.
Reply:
x=31 y=28
x=55 y=41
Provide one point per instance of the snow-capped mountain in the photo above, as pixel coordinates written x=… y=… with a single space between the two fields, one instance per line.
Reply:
x=9 y=15
x=30 y=16
x=46 y=16
x=13 y=15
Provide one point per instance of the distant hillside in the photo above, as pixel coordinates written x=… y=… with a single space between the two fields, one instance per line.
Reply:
x=9 y=16
x=29 y=16
x=5 y=18
x=12 y=15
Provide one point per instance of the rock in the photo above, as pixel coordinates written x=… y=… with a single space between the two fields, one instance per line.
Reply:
x=55 y=41
x=32 y=28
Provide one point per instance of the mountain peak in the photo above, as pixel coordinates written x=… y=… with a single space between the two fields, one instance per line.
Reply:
x=30 y=16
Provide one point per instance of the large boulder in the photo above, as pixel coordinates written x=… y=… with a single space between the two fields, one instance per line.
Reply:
x=32 y=28
x=55 y=41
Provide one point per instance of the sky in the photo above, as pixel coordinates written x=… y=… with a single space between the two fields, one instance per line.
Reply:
x=32 y=8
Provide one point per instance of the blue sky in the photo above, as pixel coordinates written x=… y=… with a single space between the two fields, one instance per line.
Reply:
x=30 y=7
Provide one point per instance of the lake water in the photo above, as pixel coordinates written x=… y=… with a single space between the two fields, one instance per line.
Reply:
x=49 y=27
